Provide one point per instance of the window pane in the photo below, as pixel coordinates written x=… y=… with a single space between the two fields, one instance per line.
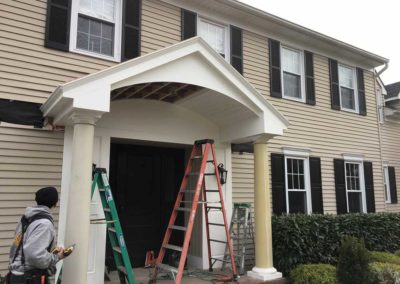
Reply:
x=95 y=36
x=291 y=85
x=354 y=202
x=296 y=182
x=102 y=9
x=291 y=61
x=214 y=35
x=290 y=181
x=301 y=166
x=347 y=96
x=346 y=77
x=301 y=179
x=297 y=202
x=86 y=4
x=289 y=165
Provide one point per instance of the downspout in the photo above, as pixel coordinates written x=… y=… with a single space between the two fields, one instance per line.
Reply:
x=380 y=124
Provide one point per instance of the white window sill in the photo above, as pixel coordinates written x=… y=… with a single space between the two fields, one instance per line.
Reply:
x=349 y=110
x=301 y=100
x=92 y=54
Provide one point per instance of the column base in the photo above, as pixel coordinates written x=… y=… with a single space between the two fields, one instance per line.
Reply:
x=264 y=274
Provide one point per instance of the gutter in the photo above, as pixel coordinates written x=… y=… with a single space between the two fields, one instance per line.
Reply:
x=383 y=69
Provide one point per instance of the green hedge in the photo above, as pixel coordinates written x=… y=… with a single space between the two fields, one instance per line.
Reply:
x=314 y=274
x=301 y=239
x=378 y=256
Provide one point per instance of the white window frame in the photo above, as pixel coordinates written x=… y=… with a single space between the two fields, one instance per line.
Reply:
x=222 y=25
x=386 y=182
x=307 y=182
x=353 y=160
x=117 y=33
x=302 y=75
x=356 y=110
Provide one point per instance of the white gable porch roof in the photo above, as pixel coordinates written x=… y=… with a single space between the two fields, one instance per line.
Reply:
x=227 y=98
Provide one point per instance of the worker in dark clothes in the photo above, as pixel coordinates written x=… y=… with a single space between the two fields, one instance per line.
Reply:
x=31 y=260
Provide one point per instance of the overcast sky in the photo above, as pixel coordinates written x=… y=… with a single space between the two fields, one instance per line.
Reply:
x=368 y=24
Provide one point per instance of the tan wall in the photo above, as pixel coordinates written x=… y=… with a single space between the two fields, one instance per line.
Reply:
x=390 y=133
x=327 y=133
x=29 y=159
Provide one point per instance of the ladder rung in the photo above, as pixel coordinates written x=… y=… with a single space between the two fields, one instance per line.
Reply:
x=211 y=190
x=102 y=190
x=218 y=259
x=217 y=224
x=193 y=174
x=117 y=249
x=174 y=227
x=173 y=247
x=217 y=241
x=122 y=269
x=209 y=174
x=167 y=267
x=210 y=161
x=213 y=207
x=188 y=191
x=183 y=209
x=107 y=209
x=111 y=229
x=197 y=157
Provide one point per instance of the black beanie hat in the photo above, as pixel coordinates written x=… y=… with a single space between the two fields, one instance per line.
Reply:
x=47 y=196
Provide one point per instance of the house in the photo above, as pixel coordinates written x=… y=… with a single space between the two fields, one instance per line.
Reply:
x=130 y=84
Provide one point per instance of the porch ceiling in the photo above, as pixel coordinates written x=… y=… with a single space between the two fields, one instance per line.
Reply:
x=189 y=74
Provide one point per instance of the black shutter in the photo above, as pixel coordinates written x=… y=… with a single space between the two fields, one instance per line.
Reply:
x=278 y=183
x=189 y=24
x=369 y=187
x=361 y=92
x=316 y=185
x=275 y=68
x=334 y=82
x=57 y=24
x=393 y=186
x=237 y=49
x=340 y=186
x=310 y=88
x=130 y=47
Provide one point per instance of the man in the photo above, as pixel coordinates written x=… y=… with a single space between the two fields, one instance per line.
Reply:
x=31 y=260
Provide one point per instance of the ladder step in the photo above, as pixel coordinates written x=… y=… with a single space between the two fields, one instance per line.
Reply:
x=217 y=241
x=107 y=209
x=219 y=259
x=188 y=191
x=193 y=174
x=197 y=157
x=167 y=267
x=111 y=229
x=213 y=207
x=173 y=247
x=209 y=174
x=117 y=249
x=210 y=161
x=174 y=227
x=211 y=190
x=102 y=190
x=217 y=224
x=122 y=269
x=183 y=209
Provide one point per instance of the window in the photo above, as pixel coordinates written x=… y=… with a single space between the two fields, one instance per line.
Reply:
x=216 y=35
x=347 y=88
x=297 y=185
x=387 y=184
x=355 y=189
x=96 y=27
x=292 y=73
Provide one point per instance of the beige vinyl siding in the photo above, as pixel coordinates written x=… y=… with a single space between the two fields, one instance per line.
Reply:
x=390 y=141
x=30 y=72
x=161 y=25
x=29 y=159
x=327 y=133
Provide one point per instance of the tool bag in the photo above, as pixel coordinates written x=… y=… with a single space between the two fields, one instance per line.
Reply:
x=34 y=276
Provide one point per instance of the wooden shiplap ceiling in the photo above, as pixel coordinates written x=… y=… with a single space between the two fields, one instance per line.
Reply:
x=162 y=91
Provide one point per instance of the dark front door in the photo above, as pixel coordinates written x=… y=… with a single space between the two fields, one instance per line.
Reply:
x=145 y=181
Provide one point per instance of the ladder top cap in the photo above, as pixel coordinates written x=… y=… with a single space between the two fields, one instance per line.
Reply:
x=100 y=170
x=204 y=141
x=242 y=205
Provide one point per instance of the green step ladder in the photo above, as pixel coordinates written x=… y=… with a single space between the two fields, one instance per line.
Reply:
x=114 y=229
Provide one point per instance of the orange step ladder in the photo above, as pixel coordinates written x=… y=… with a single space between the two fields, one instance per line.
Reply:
x=196 y=169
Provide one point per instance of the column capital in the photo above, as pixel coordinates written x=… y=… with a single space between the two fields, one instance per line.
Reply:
x=84 y=117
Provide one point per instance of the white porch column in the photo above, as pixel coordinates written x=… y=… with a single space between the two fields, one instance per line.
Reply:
x=78 y=214
x=264 y=269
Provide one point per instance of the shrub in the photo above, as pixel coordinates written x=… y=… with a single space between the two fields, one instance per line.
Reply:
x=353 y=262
x=385 y=273
x=300 y=239
x=397 y=252
x=384 y=257
x=314 y=274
